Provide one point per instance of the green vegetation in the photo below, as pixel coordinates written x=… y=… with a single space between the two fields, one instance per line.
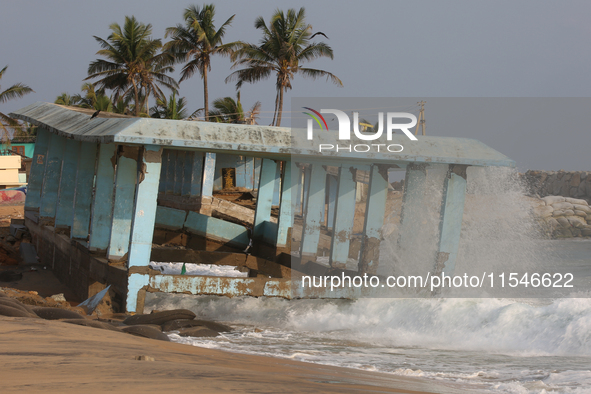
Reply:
x=285 y=46
x=134 y=66
x=196 y=42
x=17 y=90
x=228 y=110
x=172 y=108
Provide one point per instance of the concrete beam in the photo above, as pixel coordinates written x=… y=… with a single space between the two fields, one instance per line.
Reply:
x=196 y=173
x=208 y=175
x=163 y=172
x=64 y=215
x=179 y=172
x=450 y=226
x=312 y=214
x=277 y=186
x=123 y=208
x=285 y=209
x=307 y=173
x=217 y=229
x=83 y=195
x=102 y=206
x=35 y=185
x=51 y=182
x=241 y=171
x=343 y=221
x=375 y=211
x=297 y=175
x=144 y=209
x=170 y=171
x=249 y=172
x=413 y=206
x=187 y=174
x=264 y=198
x=332 y=199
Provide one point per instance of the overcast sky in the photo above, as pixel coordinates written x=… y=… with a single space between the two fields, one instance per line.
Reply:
x=382 y=49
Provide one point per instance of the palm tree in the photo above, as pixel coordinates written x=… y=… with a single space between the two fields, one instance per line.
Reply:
x=134 y=63
x=93 y=99
x=17 y=90
x=227 y=110
x=66 y=99
x=285 y=46
x=170 y=109
x=121 y=105
x=196 y=42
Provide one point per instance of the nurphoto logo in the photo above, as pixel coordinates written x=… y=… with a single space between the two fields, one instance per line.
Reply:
x=344 y=134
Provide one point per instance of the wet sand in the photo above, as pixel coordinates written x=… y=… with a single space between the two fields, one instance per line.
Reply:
x=50 y=356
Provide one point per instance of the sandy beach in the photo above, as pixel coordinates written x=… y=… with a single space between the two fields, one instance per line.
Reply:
x=50 y=356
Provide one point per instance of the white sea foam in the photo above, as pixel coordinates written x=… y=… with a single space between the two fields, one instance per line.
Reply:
x=497 y=345
x=559 y=328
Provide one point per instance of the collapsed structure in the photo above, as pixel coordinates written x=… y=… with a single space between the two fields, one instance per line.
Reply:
x=108 y=195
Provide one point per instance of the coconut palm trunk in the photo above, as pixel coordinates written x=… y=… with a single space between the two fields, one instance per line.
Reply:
x=136 y=98
x=205 y=94
x=280 y=107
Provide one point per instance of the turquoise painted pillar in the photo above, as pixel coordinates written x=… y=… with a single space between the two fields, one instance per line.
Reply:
x=102 y=206
x=285 y=215
x=144 y=209
x=297 y=175
x=163 y=172
x=196 y=174
x=413 y=207
x=343 y=218
x=257 y=172
x=135 y=282
x=83 y=194
x=277 y=186
x=51 y=183
x=187 y=173
x=323 y=218
x=264 y=197
x=65 y=206
x=125 y=184
x=35 y=184
x=179 y=173
x=314 y=200
x=307 y=173
x=332 y=199
x=450 y=226
x=144 y=216
x=208 y=175
x=241 y=171
x=249 y=173
x=375 y=211
x=171 y=169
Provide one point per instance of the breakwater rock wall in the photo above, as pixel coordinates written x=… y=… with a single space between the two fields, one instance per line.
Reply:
x=573 y=184
x=563 y=217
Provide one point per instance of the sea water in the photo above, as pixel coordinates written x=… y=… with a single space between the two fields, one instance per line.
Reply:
x=498 y=345
x=534 y=345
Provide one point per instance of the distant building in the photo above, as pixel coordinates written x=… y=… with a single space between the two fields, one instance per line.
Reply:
x=24 y=146
x=15 y=161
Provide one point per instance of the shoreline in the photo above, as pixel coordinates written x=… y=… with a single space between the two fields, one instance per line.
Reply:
x=51 y=356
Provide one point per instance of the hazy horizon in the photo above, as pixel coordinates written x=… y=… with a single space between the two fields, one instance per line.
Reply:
x=382 y=49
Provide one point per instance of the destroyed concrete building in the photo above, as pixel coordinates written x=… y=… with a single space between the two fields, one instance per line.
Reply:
x=108 y=195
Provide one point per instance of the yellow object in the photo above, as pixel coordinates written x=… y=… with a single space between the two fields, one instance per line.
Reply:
x=9 y=167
